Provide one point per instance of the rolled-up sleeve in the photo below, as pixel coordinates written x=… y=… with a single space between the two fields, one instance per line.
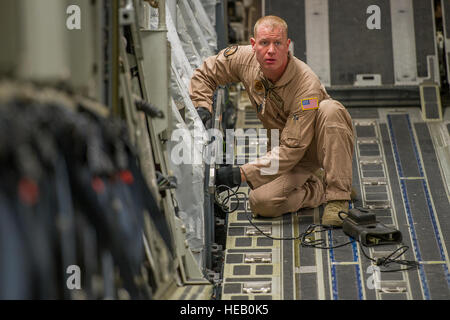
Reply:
x=215 y=70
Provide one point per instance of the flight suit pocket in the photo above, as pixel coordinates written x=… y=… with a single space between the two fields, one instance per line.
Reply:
x=292 y=133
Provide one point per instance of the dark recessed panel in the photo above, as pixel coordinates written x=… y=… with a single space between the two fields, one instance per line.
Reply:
x=424 y=31
x=356 y=49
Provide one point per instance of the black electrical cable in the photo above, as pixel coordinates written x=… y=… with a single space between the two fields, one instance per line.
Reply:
x=304 y=242
x=317 y=244
x=234 y=193
x=386 y=261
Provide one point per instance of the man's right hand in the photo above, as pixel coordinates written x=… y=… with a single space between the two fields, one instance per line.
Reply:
x=205 y=116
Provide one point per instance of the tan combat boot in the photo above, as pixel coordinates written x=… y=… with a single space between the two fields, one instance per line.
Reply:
x=331 y=214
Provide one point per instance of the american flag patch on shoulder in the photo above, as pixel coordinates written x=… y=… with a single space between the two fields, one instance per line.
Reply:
x=309 y=104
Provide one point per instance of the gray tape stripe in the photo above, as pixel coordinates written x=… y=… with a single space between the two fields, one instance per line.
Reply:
x=288 y=259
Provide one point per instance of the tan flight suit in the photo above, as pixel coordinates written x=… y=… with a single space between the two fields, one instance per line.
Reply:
x=309 y=138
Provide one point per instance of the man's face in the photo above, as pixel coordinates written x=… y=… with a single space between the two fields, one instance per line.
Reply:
x=271 y=47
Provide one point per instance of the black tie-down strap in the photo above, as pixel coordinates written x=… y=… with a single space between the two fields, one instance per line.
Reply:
x=71 y=194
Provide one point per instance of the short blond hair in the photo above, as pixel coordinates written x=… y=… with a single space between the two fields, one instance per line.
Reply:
x=271 y=21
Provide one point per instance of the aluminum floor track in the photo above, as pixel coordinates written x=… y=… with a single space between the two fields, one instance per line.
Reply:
x=400 y=170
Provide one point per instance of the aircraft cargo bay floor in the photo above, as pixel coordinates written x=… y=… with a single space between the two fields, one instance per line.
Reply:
x=400 y=171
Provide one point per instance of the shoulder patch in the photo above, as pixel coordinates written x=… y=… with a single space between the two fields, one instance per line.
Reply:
x=230 y=51
x=309 y=103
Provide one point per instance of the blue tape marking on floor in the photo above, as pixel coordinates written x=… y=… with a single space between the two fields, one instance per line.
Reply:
x=333 y=268
x=357 y=270
x=429 y=204
x=408 y=211
x=356 y=259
